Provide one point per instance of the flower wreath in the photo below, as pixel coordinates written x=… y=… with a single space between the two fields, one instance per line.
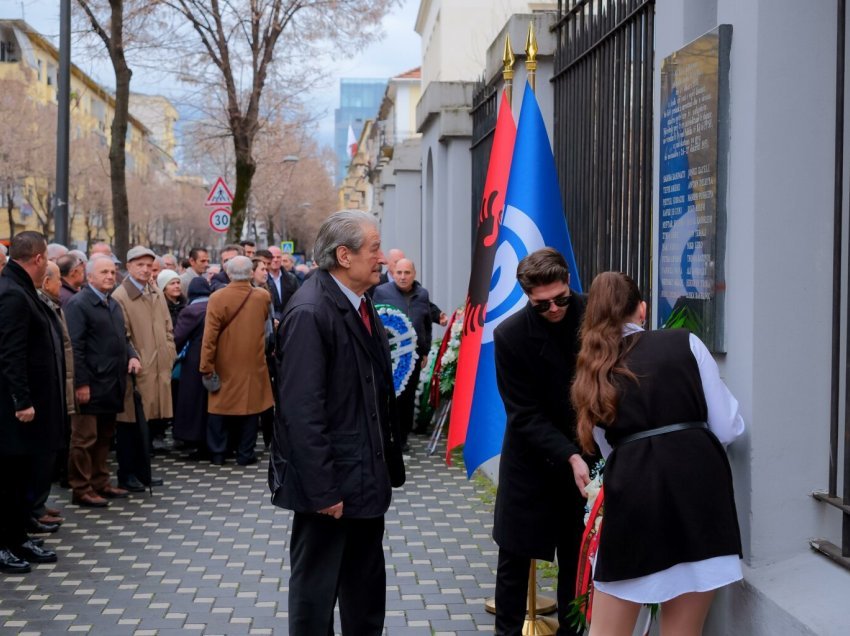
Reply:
x=402 y=339
x=422 y=409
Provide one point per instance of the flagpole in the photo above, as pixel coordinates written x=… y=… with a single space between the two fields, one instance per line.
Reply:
x=534 y=624
x=508 y=68
x=531 y=56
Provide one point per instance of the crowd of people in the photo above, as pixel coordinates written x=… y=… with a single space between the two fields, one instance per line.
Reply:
x=155 y=355
x=101 y=354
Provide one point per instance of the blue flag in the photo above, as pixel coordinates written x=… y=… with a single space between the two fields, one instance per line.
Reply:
x=533 y=219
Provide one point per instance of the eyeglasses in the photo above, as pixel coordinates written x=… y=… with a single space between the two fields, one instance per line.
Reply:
x=543 y=306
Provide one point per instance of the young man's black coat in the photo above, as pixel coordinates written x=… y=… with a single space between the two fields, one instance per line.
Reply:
x=537 y=496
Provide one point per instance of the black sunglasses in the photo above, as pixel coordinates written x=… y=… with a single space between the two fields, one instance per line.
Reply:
x=543 y=306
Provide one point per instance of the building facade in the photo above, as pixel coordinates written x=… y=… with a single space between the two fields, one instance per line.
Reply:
x=29 y=65
x=359 y=100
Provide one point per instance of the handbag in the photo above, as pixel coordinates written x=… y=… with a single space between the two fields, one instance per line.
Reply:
x=212 y=382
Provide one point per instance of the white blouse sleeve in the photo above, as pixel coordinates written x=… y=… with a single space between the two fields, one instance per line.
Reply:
x=599 y=438
x=724 y=418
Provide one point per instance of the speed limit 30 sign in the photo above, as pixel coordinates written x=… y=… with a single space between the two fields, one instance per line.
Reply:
x=220 y=219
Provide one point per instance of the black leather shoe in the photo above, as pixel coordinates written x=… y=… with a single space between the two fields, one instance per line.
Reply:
x=247 y=462
x=156 y=481
x=132 y=484
x=10 y=564
x=34 y=553
x=36 y=527
x=217 y=460
x=36 y=541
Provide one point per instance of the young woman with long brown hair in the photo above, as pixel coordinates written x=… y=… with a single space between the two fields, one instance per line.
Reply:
x=655 y=404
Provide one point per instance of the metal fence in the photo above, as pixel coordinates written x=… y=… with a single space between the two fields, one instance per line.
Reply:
x=484 y=114
x=603 y=133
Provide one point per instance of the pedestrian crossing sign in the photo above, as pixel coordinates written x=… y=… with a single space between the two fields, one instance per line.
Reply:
x=220 y=195
x=287 y=247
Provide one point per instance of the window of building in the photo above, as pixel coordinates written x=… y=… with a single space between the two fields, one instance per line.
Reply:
x=8 y=51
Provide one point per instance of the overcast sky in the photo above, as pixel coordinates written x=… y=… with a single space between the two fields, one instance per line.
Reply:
x=398 y=51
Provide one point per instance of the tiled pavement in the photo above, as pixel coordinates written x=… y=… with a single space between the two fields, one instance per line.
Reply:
x=208 y=554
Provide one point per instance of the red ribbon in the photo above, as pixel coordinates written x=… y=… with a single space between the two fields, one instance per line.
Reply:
x=587 y=551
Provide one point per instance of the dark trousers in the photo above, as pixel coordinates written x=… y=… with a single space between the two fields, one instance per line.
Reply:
x=40 y=481
x=406 y=403
x=91 y=437
x=244 y=428
x=133 y=457
x=267 y=426
x=512 y=584
x=13 y=499
x=336 y=558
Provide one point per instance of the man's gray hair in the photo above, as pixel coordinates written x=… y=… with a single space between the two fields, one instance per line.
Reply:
x=55 y=250
x=344 y=228
x=81 y=255
x=161 y=262
x=239 y=268
x=92 y=262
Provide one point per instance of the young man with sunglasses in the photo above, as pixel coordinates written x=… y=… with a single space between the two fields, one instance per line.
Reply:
x=538 y=509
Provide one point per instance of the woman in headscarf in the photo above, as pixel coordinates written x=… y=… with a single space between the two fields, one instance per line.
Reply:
x=190 y=413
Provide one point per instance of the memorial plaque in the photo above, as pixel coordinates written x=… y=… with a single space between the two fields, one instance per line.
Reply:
x=692 y=187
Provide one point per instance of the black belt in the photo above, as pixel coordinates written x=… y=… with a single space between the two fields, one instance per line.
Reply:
x=662 y=430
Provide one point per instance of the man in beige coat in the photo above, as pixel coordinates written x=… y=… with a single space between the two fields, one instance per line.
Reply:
x=234 y=348
x=150 y=331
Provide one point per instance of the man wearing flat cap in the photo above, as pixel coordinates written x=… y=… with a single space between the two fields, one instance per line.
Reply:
x=150 y=331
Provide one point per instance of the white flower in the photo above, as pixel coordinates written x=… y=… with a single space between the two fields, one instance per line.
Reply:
x=592 y=489
x=449 y=356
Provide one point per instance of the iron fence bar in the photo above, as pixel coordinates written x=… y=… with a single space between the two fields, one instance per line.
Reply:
x=609 y=124
x=618 y=139
x=836 y=251
x=634 y=169
x=647 y=171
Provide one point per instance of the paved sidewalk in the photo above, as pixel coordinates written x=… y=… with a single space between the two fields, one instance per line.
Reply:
x=206 y=553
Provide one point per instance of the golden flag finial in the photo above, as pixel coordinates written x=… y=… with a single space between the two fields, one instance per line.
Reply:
x=508 y=66
x=531 y=55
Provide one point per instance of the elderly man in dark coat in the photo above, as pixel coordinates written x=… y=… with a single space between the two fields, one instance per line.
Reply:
x=72 y=269
x=335 y=450
x=103 y=356
x=538 y=508
x=190 y=413
x=405 y=293
x=282 y=283
x=32 y=396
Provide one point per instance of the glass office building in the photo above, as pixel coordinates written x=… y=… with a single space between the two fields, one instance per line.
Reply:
x=359 y=100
